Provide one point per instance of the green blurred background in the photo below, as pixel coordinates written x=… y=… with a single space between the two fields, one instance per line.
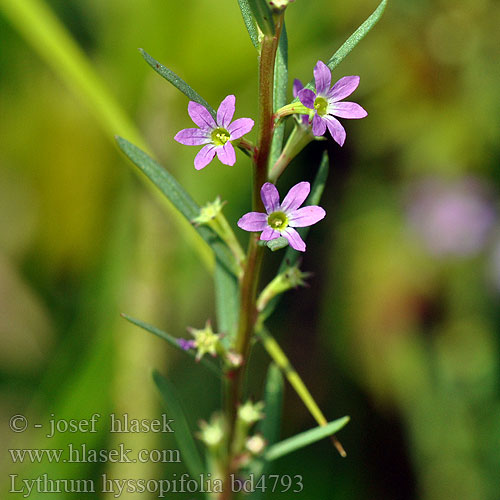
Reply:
x=400 y=328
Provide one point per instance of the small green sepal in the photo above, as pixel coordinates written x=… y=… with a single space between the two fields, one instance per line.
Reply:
x=292 y=277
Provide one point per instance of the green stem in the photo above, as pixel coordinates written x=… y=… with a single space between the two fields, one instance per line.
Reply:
x=250 y=279
x=266 y=118
x=298 y=140
x=279 y=357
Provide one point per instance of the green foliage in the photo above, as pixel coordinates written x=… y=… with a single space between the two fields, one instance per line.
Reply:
x=249 y=21
x=177 y=81
x=183 y=434
x=273 y=401
x=263 y=16
x=173 y=341
x=181 y=200
x=280 y=95
x=226 y=301
x=353 y=40
x=304 y=439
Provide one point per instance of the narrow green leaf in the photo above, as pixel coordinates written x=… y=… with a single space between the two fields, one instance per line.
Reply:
x=181 y=200
x=357 y=36
x=187 y=446
x=270 y=426
x=353 y=40
x=249 y=20
x=273 y=399
x=263 y=16
x=177 y=81
x=280 y=93
x=304 y=439
x=172 y=341
x=226 y=301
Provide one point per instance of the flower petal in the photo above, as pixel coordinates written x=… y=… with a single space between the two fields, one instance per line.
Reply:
x=192 y=137
x=200 y=115
x=307 y=97
x=336 y=129
x=347 y=110
x=204 y=156
x=319 y=125
x=253 y=221
x=343 y=88
x=269 y=234
x=295 y=197
x=322 y=77
x=226 y=154
x=240 y=127
x=225 y=112
x=270 y=197
x=306 y=216
x=293 y=237
x=297 y=87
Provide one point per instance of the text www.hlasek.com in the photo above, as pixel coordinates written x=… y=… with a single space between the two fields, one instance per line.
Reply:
x=82 y=454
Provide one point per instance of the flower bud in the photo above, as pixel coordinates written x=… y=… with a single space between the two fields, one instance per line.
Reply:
x=255 y=444
x=249 y=413
x=206 y=341
x=209 y=212
x=212 y=433
x=279 y=5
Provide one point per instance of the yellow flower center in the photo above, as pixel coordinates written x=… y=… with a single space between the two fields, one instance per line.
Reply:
x=220 y=136
x=278 y=221
x=321 y=106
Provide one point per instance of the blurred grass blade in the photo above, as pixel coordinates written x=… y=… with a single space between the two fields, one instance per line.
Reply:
x=185 y=441
x=280 y=93
x=226 y=301
x=279 y=357
x=181 y=200
x=172 y=341
x=357 y=36
x=273 y=399
x=263 y=16
x=304 y=439
x=353 y=40
x=249 y=21
x=177 y=82
x=48 y=36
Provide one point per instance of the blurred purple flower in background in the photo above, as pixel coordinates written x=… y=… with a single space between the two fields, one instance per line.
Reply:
x=451 y=217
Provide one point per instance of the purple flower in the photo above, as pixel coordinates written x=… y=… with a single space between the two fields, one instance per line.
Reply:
x=326 y=105
x=186 y=344
x=297 y=87
x=214 y=135
x=281 y=218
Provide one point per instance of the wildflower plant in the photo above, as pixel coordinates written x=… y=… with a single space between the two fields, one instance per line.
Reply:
x=243 y=437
